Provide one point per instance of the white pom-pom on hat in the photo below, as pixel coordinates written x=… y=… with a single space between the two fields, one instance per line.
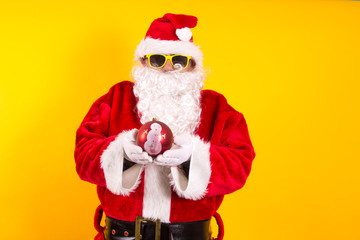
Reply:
x=184 y=34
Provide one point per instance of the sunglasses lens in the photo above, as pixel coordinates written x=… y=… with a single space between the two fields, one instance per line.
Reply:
x=180 y=60
x=157 y=60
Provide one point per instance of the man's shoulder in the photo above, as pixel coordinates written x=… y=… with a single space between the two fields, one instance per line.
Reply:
x=215 y=100
x=211 y=96
x=123 y=85
x=211 y=93
x=123 y=89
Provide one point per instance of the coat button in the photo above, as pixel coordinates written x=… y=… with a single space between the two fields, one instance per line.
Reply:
x=113 y=232
x=126 y=233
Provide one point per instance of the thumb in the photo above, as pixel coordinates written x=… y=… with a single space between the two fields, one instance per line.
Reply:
x=131 y=135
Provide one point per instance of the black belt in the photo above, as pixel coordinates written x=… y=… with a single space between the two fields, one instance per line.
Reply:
x=146 y=229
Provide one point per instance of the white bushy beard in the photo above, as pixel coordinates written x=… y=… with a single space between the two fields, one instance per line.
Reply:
x=171 y=97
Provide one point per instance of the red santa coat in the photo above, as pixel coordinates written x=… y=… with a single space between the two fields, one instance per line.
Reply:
x=220 y=163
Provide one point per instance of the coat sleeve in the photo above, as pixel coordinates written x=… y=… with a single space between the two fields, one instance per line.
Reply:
x=99 y=156
x=231 y=155
x=221 y=165
x=92 y=139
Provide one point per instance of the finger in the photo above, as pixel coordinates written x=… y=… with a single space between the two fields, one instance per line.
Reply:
x=140 y=156
x=173 y=153
x=146 y=157
x=143 y=161
x=159 y=158
x=162 y=164
x=135 y=149
x=162 y=161
x=134 y=132
x=131 y=135
x=149 y=159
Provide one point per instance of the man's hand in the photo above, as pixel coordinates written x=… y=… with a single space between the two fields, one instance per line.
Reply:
x=133 y=152
x=178 y=154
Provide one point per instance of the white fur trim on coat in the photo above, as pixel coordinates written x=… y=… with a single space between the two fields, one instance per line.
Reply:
x=150 y=45
x=157 y=193
x=112 y=160
x=194 y=187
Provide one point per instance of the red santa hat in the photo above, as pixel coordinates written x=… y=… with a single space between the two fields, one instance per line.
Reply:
x=170 y=34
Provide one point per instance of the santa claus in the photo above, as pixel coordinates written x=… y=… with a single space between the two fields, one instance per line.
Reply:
x=172 y=195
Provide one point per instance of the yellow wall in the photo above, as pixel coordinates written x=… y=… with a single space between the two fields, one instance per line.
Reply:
x=291 y=67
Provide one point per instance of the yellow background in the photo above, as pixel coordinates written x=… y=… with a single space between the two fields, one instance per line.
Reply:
x=292 y=67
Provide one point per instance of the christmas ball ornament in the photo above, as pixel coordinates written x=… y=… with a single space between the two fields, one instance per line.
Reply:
x=155 y=137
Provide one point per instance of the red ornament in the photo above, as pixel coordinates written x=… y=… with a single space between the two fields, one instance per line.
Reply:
x=155 y=137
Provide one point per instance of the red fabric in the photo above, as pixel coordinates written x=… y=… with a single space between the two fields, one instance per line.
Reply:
x=220 y=224
x=181 y=20
x=99 y=128
x=231 y=153
x=97 y=219
x=164 y=28
x=231 y=150
x=99 y=236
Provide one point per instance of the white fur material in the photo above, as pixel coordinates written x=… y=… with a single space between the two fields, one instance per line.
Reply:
x=194 y=187
x=112 y=160
x=184 y=34
x=150 y=45
x=157 y=193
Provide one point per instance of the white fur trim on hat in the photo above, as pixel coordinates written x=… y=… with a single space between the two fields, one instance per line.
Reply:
x=112 y=159
x=150 y=45
x=195 y=186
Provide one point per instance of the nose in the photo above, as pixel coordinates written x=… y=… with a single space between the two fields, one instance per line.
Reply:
x=168 y=66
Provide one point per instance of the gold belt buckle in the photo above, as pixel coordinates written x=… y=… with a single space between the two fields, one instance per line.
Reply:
x=138 y=222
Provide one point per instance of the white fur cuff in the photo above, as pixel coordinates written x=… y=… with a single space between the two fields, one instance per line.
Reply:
x=112 y=160
x=194 y=187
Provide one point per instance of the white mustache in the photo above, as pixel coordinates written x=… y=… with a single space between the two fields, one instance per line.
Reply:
x=171 y=97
